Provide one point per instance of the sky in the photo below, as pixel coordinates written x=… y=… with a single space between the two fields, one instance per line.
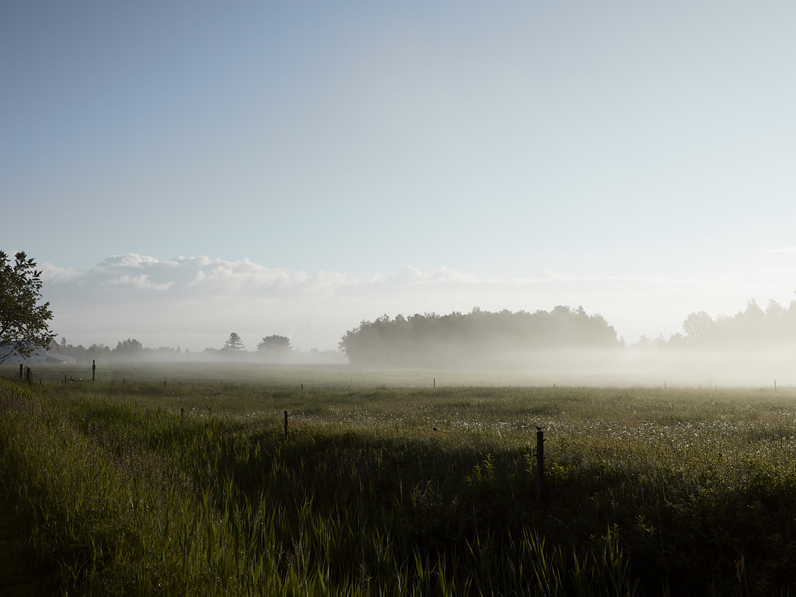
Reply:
x=183 y=170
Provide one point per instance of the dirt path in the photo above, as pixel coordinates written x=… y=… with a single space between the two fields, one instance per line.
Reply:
x=19 y=575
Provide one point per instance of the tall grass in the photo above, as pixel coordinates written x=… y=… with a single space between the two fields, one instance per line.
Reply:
x=650 y=492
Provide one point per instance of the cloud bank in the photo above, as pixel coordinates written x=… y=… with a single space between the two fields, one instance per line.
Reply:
x=195 y=302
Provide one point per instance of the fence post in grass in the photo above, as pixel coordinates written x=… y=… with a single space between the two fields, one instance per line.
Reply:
x=302 y=389
x=541 y=490
x=64 y=379
x=93 y=370
x=164 y=384
x=435 y=383
x=20 y=371
x=285 y=425
x=28 y=376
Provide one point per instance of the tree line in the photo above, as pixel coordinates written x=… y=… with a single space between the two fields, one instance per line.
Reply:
x=462 y=338
x=752 y=328
x=270 y=348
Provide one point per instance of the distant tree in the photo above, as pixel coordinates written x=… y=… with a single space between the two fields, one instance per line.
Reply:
x=128 y=349
x=23 y=323
x=97 y=351
x=697 y=325
x=234 y=344
x=275 y=344
x=752 y=327
x=77 y=352
x=676 y=340
x=167 y=352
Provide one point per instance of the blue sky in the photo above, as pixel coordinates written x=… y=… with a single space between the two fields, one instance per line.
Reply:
x=647 y=150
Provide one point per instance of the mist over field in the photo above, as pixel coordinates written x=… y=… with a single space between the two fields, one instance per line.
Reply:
x=565 y=367
x=564 y=346
x=629 y=367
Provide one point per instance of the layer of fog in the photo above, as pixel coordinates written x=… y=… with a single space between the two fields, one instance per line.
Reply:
x=295 y=357
x=625 y=367
x=632 y=367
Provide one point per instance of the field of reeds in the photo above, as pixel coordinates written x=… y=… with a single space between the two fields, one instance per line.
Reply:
x=159 y=484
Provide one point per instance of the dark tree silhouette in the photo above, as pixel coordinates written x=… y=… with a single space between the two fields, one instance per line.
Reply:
x=23 y=323
x=234 y=344
x=128 y=349
x=460 y=339
x=275 y=344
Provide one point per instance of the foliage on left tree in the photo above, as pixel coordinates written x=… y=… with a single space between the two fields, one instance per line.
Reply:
x=23 y=324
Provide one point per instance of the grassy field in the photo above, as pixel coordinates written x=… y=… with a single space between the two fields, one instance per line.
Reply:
x=387 y=486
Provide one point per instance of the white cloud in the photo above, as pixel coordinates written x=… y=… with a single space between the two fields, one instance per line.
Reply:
x=131 y=260
x=142 y=281
x=196 y=302
x=52 y=273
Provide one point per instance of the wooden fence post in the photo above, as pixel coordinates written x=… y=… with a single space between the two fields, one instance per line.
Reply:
x=285 y=425
x=541 y=490
x=93 y=369
x=20 y=372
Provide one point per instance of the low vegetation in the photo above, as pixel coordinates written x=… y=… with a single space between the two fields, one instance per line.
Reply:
x=149 y=488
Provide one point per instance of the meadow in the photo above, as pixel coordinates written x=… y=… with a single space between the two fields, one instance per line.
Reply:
x=179 y=480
